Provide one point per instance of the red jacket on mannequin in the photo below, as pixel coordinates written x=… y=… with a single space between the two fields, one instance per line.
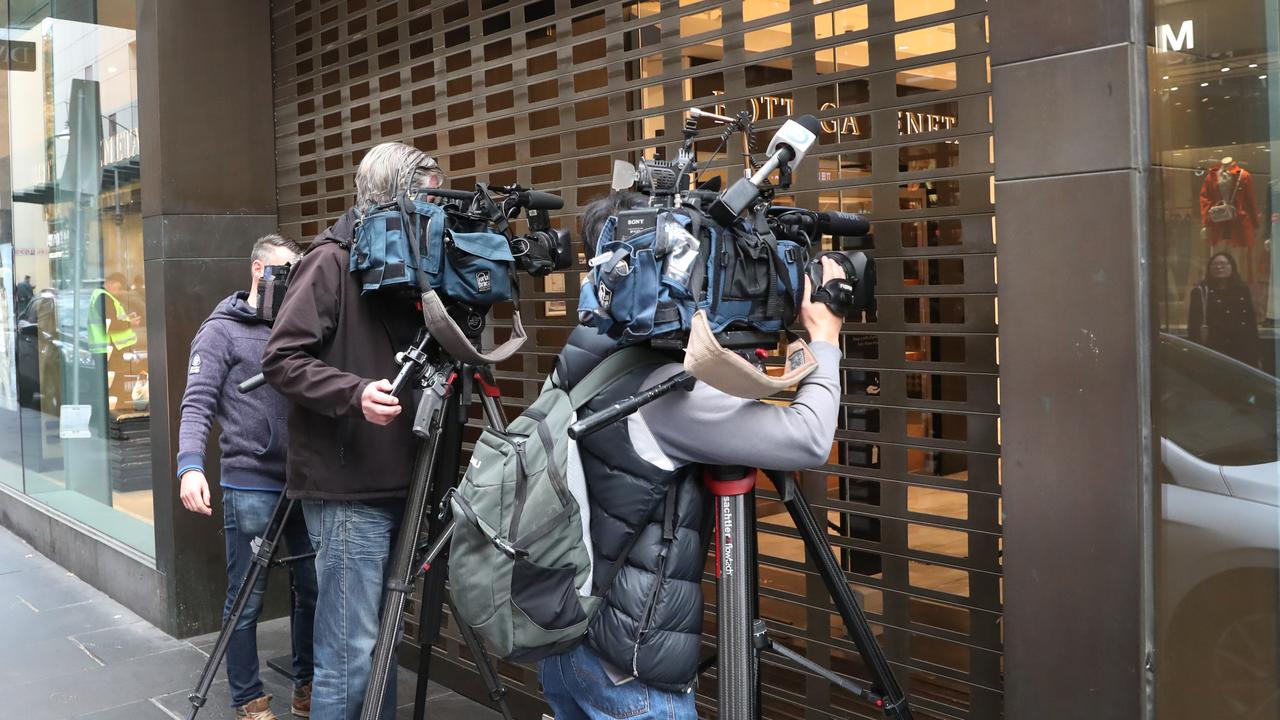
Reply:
x=1242 y=229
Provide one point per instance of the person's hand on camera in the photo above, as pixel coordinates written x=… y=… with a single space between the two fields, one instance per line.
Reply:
x=822 y=324
x=380 y=407
x=195 y=492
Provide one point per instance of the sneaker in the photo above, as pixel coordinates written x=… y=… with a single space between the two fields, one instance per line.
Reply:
x=259 y=709
x=302 y=701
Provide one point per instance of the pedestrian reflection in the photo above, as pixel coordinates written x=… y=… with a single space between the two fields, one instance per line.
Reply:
x=1222 y=316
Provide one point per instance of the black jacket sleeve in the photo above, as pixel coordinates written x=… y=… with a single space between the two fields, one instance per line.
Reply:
x=304 y=327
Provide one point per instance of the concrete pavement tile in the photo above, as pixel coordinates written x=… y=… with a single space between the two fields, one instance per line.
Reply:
x=22 y=663
x=126 y=642
x=24 y=625
x=108 y=686
x=46 y=586
x=451 y=706
x=140 y=710
x=217 y=704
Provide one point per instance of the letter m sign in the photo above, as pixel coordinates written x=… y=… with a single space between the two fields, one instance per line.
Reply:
x=1183 y=39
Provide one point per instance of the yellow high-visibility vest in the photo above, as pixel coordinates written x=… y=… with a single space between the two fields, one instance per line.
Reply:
x=121 y=334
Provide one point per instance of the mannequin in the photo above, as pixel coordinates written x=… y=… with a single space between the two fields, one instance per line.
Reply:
x=1228 y=184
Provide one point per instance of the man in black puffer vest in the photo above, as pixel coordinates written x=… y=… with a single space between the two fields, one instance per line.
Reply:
x=650 y=515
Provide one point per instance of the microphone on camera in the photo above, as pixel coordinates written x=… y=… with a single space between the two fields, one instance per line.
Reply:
x=839 y=224
x=787 y=148
x=535 y=200
x=530 y=199
x=449 y=194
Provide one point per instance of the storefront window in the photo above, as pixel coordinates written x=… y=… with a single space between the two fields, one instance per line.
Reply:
x=73 y=375
x=1215 y=116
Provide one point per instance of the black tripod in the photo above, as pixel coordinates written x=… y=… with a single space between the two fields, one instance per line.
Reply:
x=264 y=548
x=447 y=387
x=742 y=634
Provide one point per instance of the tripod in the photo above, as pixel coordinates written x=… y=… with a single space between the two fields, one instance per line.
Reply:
x=442 y=413
x=264 y=548
x=742 y=635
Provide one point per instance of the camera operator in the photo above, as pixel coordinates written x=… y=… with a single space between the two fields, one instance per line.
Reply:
x=226 y=350
x=648 y=505
x=351 y=446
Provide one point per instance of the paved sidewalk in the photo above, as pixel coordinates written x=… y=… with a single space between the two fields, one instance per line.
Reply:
x=69 y=651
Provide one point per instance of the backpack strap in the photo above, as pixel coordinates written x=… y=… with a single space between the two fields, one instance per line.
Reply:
x=611 y=369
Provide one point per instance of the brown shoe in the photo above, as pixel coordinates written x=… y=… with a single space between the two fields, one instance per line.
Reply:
x=302 y=701
x=259 y=709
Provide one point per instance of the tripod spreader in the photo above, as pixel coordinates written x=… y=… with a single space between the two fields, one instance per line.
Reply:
x=762 y=641
x=434 y=551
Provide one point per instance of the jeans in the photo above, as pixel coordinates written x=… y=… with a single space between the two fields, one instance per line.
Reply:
x=245 y=516
x=577 y=688
x=353 y=546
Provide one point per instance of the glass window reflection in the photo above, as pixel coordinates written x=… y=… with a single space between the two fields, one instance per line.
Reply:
x=78 y=403
x=1215 y=116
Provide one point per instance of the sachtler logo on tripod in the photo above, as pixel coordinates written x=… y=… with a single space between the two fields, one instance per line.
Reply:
x=726 y=536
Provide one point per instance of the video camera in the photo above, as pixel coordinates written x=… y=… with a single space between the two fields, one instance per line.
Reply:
x=538 y=252
x=459 y=245
x=733 y=254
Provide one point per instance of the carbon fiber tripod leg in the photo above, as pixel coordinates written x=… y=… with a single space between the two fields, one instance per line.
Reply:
x=260 y=562
x=735 y=593
x=885 y=691
x=390 y=625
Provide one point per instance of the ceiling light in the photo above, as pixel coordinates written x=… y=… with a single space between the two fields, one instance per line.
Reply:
x=1204 y=84
x=1253 y=65
x=1226 y=69
x=1173 y=89
x=1177 y=104
x=904 y=47
x=1204 y=99
x=1166 y=77
x=1262 y=77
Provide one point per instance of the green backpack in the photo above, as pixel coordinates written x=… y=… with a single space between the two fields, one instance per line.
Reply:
x=520 y=560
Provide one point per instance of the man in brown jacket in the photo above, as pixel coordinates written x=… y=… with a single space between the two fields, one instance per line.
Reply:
x=351 y=448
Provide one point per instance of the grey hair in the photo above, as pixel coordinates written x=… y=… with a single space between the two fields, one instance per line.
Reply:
x=391 y=168
x=263 y=246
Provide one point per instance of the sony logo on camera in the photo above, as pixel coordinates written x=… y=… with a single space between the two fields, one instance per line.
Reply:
x=632 y=223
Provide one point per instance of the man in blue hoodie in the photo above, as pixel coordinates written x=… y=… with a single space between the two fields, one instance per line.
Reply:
x=227 y=349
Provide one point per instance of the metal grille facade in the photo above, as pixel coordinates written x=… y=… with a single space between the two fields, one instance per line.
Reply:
x=550 y=93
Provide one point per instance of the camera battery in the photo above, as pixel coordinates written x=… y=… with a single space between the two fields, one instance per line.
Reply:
x=632 y=223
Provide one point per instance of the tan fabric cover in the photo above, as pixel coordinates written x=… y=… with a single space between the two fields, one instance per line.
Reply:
x=730 y=373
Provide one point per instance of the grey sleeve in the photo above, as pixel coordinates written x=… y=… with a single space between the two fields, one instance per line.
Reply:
x=206 y=372
x=710 y=427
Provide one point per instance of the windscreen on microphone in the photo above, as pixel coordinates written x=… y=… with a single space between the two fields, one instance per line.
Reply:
x=842 y=224
x=449 y=194
x=536 y=200
x=810 y=123
x=839 y=224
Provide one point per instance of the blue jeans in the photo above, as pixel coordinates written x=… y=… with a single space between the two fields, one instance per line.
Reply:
x=353 y=546
x=577 y=688
x=245 y=516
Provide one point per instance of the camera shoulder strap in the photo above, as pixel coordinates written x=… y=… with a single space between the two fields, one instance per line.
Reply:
x=450 y=337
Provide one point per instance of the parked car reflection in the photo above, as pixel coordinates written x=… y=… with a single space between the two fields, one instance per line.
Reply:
x=1219 y=540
